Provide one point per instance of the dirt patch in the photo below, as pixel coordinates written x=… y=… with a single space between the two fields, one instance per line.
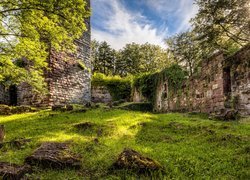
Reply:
x=16 y=143
x=132 y=160
x=92 y=128
x=85 y=125
x=10 y=171
x=54 y=155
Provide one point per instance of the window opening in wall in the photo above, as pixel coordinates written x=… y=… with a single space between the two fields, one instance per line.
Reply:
x=13 y=95
x=226 y=81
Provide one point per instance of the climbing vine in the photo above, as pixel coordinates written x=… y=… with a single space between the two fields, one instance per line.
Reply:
x=147 y=83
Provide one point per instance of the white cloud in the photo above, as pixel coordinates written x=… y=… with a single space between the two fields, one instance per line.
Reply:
x=181 y=11
x=120 y=26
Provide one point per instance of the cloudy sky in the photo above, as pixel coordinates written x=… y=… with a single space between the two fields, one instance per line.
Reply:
x=125 y=21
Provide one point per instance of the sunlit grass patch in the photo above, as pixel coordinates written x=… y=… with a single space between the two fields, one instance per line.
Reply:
x=187 y=146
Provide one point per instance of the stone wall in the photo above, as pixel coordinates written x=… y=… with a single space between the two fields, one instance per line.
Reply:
x=239 y=67
x=137 y=96
x=202 y=92
x=4 y=95
x=100 y=94
x=68 y=80
x=220 y=83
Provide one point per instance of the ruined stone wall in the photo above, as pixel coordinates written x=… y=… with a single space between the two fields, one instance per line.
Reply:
x=4 y=95
x=100 y=94
x=239 y=66
x=137 y=96
x=68 y=80
x=221 y=83
x=202 y=92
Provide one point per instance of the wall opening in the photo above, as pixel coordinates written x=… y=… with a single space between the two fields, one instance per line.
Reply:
x=13 y=95
x=226 y=81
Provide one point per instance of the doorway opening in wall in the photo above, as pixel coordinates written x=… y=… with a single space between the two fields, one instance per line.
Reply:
x=227 y=84
x=13 y=95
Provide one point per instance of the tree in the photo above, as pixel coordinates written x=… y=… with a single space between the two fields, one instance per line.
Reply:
x=130 y=57
x=185 y=50
x=104 y=58
x=223 y=24
x=153 y=58
x=143 y=58
x=29 y=29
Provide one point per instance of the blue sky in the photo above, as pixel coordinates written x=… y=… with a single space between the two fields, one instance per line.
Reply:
x=125 y=21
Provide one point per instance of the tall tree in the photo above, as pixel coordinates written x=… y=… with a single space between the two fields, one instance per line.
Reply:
x=131 y=55
x=185 y=50
x=153 y=58
x=223 y=24
x=104 y=58
x=28 y=28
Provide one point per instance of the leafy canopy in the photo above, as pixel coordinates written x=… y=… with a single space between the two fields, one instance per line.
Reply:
x=223 y=24
x=29 y=29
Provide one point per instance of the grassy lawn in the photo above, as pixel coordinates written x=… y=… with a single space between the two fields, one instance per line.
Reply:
x=188 y=146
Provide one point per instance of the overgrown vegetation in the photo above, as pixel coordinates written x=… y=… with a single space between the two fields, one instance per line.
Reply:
x=147 y=83
x=119 y=88
x=28 y=31
x=131 y=60
x=187 y=146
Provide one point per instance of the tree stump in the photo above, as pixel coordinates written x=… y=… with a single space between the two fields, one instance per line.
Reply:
x=2 y=133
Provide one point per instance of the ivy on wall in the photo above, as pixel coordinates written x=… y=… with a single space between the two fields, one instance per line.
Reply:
x=147 y=83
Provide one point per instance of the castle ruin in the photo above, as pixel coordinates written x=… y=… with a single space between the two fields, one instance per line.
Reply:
x=68 y=80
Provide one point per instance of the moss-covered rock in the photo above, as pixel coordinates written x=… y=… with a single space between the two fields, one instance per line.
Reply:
x=132 y=160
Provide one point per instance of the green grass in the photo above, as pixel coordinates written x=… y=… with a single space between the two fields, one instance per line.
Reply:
x=188 y=146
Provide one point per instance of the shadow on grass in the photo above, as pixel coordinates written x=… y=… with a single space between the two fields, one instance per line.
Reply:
x=196 y=149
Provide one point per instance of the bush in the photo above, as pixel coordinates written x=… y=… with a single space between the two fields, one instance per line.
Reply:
x=119 y=88
x=147 y=83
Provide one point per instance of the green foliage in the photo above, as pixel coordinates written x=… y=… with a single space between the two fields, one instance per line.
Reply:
x=147 y=83
x=132 y=59
x=185 y=50
x=103 y=58
x=187 y=146
x=29 y=29
x=222 y=24
x=119 y=88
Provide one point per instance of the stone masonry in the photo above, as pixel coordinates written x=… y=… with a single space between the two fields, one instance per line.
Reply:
x=221 y=83
x=100 y=94
x=68 y=80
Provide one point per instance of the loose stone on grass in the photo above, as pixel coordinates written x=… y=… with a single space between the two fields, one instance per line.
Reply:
x=13 y=171
x=54 y=155
x=132 y=160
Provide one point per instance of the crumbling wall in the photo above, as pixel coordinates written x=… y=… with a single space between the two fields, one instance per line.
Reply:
x=239 y=65
x=137 y=96
x=202 y=92
x=100 y=94
x=221 y=83
x=4 y=95
x=68 y=78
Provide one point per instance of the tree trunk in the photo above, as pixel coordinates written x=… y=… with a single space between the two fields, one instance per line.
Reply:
x=2 y=133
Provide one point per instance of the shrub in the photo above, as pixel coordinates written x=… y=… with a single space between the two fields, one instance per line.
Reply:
x=119 y=88
x=147 y=83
